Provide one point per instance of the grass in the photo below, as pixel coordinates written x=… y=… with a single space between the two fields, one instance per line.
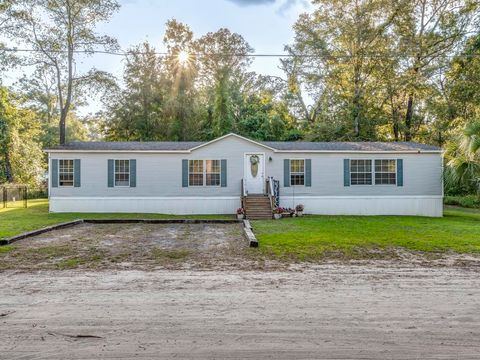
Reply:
x=14 y=221
x=5 y=249
x=314 y=237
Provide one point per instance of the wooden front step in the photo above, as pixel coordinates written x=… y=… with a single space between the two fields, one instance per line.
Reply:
x=257 y=207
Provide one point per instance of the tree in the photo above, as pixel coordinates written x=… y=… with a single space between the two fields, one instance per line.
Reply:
x=21 y=158
x=223 y=63
x=428 y=31
x=58 y=32
x=7 y=58
x=137 y=112
x=182 y=107
x=336 y=55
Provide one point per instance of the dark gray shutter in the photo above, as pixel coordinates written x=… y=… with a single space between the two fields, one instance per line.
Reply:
x=184 y=173
x=308 y=172
x=133 y=173
x=76 y=173
x=110 y=172
x=399 y=172
x=223 y=175
x=286 y=172
x=54 y=173
x=346 y=172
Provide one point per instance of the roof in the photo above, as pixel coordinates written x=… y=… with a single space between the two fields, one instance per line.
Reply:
x=129 y=145
x=350 y=146
x=280 y=146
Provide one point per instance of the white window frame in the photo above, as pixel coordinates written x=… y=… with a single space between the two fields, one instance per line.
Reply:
x=115 y=172
x=372 y=172
x=197 y=173
x=204 y=173
x=298 y=173
x=73 y=173
x=381 y=172
x=219 y=172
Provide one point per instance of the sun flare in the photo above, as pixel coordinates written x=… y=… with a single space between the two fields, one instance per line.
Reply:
x=183 y=57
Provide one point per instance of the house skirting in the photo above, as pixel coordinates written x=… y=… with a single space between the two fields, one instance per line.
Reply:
x=160 y=205
x=367 y=205
x=321 y=205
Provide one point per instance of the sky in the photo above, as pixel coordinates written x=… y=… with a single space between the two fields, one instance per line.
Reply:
x=265 y=24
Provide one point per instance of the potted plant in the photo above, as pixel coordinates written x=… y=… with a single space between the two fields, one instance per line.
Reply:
x=299 y=209
x=277 y=213
x=240 y=213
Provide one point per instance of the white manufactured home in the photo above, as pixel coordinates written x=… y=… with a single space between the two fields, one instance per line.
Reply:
x=219 y=176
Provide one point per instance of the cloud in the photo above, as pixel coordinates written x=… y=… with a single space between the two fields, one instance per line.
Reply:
x=284 y=5
x=287 y=4
x=252 y=2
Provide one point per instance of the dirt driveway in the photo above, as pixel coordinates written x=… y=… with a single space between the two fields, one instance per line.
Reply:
x=325 y=312
x=132 y=246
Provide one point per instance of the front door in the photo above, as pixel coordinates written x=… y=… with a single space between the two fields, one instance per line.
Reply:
x=254 y=173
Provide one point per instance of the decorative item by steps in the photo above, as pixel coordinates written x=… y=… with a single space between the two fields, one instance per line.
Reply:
x=277 y=213
x=240 y=213
x=299 y=209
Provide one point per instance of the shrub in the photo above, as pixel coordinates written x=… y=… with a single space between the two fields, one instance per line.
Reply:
x=468 y=201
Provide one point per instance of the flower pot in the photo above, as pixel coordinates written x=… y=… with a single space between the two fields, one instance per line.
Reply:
x=277 y=216
x=299 y=213
x=240 y=216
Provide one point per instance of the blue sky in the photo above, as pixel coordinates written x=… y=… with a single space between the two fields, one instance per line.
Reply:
x=265 y=24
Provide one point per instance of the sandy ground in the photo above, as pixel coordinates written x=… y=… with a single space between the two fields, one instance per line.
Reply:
x=327 y=312
x=132 y=246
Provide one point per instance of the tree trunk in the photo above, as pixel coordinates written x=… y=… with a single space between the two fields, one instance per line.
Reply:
x=63 y=117
x=8 y=166
x=408 y=118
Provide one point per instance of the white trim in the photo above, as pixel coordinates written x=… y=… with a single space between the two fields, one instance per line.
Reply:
x=364 y=151
x=156 y=198
x=114 y=173
x=159 y=205
x=374 y=179
x=431 y=206
x=204 y=173
x=423 y=205
x=304 y=172
x=58 y=175
x=235 y=135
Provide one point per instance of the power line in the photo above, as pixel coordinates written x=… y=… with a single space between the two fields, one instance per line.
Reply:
x=258 y=55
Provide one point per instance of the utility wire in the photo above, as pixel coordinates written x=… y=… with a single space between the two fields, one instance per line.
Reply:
x=259 y=55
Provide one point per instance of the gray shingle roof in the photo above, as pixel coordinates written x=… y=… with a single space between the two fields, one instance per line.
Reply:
x=278 y=145
x=349 y=146
x=128 y=145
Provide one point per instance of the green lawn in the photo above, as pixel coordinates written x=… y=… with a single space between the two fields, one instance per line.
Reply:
x=17 y=220
x=314 y=237
x=310 y=237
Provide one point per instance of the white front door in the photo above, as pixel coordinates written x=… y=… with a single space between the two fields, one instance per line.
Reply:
x=254 y=173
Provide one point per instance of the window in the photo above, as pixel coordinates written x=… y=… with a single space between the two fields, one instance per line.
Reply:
x=204 y=172
x=297 y=172
x=385 y=172
x=361 y=172
x=65 y=172
x=212 y=172
x=122 y=172
x=195 y=173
